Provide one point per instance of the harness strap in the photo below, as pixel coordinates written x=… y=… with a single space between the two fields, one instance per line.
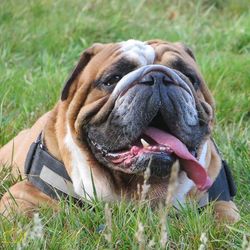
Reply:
x=47 y=173
x=50 y=176
x=220 y=190
x=224 y=187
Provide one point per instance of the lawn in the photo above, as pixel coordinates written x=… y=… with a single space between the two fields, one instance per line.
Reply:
x=39 y=43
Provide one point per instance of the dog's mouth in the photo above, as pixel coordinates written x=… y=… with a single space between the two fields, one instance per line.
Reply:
x=157 y=143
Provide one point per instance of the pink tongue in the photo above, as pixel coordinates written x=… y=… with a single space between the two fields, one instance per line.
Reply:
x=192 y=167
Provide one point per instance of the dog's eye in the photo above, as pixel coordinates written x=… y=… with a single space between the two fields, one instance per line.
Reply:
x=112 y=80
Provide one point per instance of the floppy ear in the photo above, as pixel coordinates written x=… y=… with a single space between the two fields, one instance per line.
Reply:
x=83 y=61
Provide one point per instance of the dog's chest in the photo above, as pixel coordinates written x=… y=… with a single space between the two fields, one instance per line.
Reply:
x=160 y=191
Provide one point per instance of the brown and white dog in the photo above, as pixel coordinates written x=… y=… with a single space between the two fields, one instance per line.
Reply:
x=126 y=106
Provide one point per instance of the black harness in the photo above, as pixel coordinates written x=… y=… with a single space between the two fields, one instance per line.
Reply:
x=50 y=176
x=223 y=188
x=47 y=173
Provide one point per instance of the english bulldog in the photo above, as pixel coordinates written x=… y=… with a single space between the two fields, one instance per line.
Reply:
x=126 y=107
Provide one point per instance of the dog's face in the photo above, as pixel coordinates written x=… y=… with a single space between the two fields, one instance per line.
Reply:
x=136 y=104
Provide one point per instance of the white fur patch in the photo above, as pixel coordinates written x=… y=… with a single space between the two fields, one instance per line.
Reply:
x=81 y=174
x=138 y=51
x=202 y=158
x=185 y=184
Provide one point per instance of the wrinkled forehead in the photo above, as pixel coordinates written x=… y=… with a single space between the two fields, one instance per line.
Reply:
x=128 y=54
x=150 y=52
x=134 y=51
x=139 y=52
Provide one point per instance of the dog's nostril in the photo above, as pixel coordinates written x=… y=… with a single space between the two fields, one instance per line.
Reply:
x=148 y=80
x=155 y=78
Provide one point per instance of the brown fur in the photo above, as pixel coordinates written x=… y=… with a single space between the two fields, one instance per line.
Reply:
x=79 y=98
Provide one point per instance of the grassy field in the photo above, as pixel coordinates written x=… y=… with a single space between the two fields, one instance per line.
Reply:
x=39 y=43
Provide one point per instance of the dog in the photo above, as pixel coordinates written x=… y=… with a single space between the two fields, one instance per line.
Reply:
x=126 y=107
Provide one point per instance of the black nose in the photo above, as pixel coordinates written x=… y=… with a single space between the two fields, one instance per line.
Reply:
x=154 y=77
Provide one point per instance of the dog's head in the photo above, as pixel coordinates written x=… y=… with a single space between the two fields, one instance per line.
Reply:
x=136 y=104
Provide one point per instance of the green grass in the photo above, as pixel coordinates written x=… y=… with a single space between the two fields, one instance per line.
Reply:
x=39 y=43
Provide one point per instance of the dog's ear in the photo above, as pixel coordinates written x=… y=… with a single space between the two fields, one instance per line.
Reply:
x=83 y=61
